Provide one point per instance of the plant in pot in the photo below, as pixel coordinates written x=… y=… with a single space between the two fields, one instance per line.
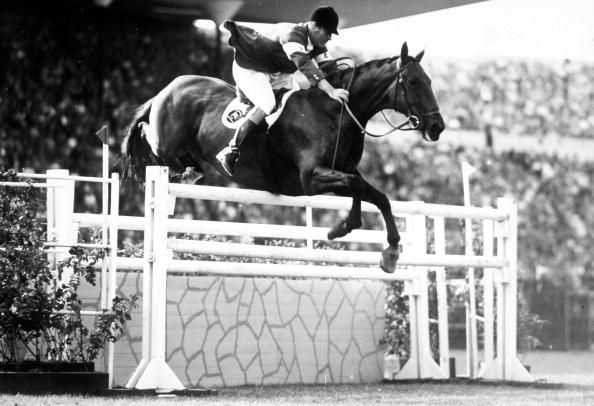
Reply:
x=42 y=329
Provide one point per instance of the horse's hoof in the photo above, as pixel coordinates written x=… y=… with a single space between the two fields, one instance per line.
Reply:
x=389 y=258
x=191 y=176
x=340 y=229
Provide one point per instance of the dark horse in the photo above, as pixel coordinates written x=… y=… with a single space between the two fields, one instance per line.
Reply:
x=185 y=129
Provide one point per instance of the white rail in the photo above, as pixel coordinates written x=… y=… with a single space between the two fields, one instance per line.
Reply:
x=330 y=202
x=368 y=258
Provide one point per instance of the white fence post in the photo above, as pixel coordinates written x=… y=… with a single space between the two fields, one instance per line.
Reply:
x=113 y=256
x=471 y=315
x=421 y=364
x=60 y=209
x=488 y=297
x=513 y=368
x=442 y=297
x=507 y=367
x=309 y=224
x=153 y=371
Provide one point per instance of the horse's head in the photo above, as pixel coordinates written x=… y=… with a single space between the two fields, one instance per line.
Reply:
x=414 y=96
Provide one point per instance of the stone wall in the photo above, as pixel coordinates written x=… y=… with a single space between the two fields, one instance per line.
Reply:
x=237 y=331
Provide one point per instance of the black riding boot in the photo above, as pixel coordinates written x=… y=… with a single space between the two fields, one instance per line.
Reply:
x=228 y=156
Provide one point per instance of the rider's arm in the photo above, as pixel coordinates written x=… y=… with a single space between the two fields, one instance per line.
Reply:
x=296 y=52
x=294 y=40
x=317 y=78
x=293 y=44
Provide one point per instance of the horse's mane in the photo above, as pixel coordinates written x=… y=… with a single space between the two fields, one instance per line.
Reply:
x=341 y=77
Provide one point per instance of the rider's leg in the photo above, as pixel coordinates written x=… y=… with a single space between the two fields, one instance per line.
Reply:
x=253 y=119
x=256 y=86
x=228 y=156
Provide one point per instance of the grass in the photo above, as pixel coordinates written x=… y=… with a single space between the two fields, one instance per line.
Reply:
x=377 y=394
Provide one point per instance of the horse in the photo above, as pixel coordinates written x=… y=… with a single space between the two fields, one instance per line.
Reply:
x=311 y=149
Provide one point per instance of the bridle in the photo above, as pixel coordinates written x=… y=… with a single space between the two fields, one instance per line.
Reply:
x=411 y=122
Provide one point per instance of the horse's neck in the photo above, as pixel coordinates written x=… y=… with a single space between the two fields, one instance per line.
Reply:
x=371 y=89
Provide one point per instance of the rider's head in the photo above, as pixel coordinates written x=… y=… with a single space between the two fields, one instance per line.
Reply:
x=323 y=23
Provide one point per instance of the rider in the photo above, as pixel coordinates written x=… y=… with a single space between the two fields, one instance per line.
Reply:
x=264 y=62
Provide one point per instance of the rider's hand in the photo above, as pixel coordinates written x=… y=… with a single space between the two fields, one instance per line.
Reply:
x=340 y=95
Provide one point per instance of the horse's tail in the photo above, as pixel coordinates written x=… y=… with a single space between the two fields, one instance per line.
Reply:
x=136 y=152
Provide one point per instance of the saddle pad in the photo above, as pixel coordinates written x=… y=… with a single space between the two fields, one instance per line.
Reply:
x=235 y=113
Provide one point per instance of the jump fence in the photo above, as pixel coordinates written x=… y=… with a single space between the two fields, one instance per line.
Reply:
x=499 y=360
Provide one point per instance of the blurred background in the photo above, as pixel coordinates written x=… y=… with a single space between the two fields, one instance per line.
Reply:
x=514 y=81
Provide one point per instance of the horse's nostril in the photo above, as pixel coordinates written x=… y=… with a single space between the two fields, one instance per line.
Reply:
x=435 y=128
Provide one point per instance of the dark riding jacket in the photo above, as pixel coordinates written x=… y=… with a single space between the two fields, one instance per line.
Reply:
x=265 y=53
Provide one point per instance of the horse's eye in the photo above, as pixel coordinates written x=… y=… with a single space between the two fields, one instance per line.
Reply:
x=413 y=81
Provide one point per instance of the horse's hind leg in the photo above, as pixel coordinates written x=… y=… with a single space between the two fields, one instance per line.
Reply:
x=192 y=170
x=324 y=180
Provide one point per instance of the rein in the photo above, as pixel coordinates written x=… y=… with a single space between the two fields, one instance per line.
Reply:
x=404 y=126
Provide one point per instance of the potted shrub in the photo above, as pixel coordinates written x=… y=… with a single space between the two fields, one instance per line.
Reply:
x=45 y=345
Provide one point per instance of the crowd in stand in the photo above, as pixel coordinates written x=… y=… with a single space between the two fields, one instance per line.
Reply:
x=68 y=73
x=519 y=97
x=65 y=76
x=554 y=197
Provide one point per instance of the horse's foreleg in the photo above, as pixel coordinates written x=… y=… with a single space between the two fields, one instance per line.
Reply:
x=390 y=254
x=353 y=221
x=325 y=180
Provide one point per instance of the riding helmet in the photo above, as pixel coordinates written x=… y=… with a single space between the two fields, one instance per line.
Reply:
x=327 y=18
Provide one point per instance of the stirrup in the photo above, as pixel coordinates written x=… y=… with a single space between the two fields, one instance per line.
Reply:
x=228 y=157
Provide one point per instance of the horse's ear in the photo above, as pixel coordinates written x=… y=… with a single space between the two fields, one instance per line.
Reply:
x=420 y=55
x=404 y=52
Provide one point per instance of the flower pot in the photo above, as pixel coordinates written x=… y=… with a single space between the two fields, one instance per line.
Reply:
x=51 y=377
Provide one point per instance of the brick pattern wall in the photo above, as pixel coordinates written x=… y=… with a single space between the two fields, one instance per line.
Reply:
x=237 y=331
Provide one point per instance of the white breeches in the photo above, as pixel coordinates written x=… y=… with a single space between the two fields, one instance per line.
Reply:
x=258 y=86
